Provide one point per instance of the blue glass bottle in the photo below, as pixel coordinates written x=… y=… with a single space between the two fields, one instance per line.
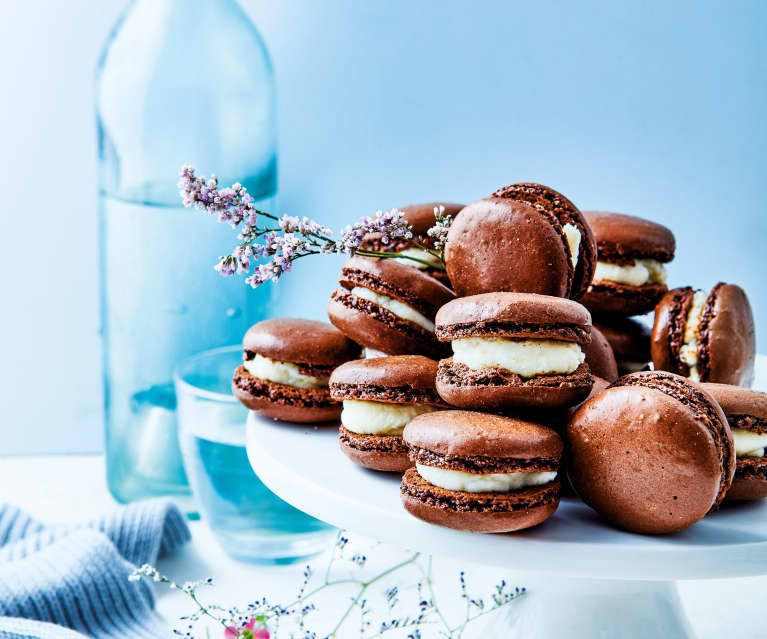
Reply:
x=179 y=82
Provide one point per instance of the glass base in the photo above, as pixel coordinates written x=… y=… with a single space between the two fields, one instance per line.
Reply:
x=276 y=549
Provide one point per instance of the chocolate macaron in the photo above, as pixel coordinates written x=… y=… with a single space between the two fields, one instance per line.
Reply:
x=514 y=350
x=630 y=275
x=746 y=412
x=287 y=366
x=420 y=217
x=524 y=238
x=652 y=453
x=600 y=357
x=629 y=339
x=387 y=306
x=708 y=337
x=479 y=472
x=380 y=396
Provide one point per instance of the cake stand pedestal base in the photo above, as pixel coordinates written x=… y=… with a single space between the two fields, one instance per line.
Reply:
x=560 y=607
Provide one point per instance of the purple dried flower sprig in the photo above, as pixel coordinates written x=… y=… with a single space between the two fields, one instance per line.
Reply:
x=292 y=237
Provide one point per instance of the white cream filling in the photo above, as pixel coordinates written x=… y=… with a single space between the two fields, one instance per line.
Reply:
x=688 y=353
x=639 y=273
x=526 y=358
x=749 y=444
x=480 y=483
x=282 y=373
x=371 y=353
x=573 y=236
x=395 y=306
x=378 y=418
x=418 y=254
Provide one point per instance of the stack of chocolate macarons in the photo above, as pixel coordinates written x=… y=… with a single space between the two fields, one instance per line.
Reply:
x=493 y=381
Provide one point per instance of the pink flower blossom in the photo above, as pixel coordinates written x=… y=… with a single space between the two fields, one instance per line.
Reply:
x=246 y=631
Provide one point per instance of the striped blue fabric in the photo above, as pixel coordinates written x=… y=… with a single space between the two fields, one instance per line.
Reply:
x=70 y=581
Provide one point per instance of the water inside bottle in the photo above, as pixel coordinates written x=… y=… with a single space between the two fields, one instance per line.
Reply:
x=162 y=302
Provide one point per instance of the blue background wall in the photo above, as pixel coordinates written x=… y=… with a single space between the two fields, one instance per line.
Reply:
x=651 y=108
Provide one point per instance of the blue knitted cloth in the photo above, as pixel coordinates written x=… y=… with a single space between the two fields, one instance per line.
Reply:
x=66 y=581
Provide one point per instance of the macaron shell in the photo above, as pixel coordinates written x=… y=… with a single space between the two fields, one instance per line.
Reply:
x=498 y=244
x=600 y=357
x=377 y=452
x=565 y=211
x=643 y=460
x=622 y=299
x=521 y=509
x=468 y=433
x=736 y=400
x=628 y=236
x=670 y=309
x=731 y=338
x=409 y=371
x=283 y=402
x=748 y=487
x=300 y=340
x=464 y=388
x=498 y=308
x=379 y=329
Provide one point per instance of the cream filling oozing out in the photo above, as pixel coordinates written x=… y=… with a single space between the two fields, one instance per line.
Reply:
x=480 y=483
x=400 y=309
x=379 y=418
x=749 y=444
x=639 y=273
x=688 y=353
x=573 y=236
x=526 y=358
x=282 y=373
x=419 y=254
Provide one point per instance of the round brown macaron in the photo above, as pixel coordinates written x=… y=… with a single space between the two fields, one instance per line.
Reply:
x=286 y=368
x=380 y=396
x=652 y=453
x=706 y=337
x=629 y=339
x=387 y=306
x=746 y=412
x=498 y=474
x=516 y=240
x=502 y=344
x=420 y=217
x=630 y=276
x=600 y=357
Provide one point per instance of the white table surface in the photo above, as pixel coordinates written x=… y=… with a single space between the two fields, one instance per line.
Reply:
x=67 y=488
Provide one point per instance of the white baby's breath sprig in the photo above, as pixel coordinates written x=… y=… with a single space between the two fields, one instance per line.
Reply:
x=264 y=619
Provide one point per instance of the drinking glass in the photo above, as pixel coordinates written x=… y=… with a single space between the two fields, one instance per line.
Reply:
x=249 y=521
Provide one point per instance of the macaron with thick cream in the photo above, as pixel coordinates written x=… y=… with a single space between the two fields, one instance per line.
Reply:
x=420 y=217
x=286 y=369
x=525 y=238
x=746 y=412
x=380 y=396
x=652 y=453
x=706 y=336
x=481 y=472
x=514 y=350
x=630 y=274
x=388 y=306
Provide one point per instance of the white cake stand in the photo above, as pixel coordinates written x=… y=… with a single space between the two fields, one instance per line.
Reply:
x=596 y=581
